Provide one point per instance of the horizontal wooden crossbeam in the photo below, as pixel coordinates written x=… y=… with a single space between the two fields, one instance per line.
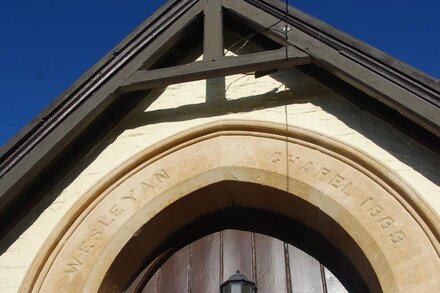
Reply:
x=216 y=67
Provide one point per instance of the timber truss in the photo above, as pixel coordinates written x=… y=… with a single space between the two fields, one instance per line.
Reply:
x=154 y=56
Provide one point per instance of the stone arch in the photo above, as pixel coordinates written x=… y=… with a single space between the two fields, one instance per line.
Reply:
x=393 y=227
x=254 y=208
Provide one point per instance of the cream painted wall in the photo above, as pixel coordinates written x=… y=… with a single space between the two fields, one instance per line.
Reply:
x=307 y=104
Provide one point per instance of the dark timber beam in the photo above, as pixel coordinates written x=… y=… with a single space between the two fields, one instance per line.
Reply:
x=213 y=46
x=213 y=29
x=217 y=67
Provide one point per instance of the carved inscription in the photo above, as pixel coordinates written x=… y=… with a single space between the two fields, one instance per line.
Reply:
x=384 y=221
x=74 y=265
x=345 y=186
x=313 y=169
x=96 y=234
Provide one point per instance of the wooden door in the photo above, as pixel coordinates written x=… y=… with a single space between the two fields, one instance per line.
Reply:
x=273 y=265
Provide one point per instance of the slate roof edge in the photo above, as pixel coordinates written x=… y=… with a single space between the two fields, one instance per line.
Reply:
x=348 y=42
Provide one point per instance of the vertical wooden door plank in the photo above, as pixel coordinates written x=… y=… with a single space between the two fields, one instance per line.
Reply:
x=205 y=264
x=237 y=253
x=270 y=264
x=173 y=275
x=305 y=272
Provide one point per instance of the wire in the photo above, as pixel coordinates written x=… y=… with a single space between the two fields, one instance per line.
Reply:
x=241 y=77
x=277 y=30
x=286 y=27
x=249 y=37
x=286 y=112
x=246 y=40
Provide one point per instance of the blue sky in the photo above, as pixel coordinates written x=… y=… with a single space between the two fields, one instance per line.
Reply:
x=46 y=45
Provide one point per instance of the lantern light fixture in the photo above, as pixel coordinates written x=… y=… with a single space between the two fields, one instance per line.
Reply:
x=238 y=283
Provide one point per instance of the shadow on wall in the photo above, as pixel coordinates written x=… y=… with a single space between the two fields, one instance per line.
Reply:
x=302 y=89
x=305 y=89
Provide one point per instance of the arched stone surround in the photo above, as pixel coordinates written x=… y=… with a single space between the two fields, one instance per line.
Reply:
x=254 y=208
x=395 y=229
